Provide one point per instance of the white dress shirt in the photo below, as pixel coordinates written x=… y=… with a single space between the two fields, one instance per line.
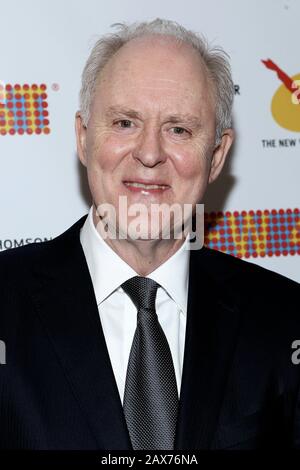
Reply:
x=118 y=314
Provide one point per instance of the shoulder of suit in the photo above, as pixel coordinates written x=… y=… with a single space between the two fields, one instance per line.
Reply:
x=248 y=279
x=22 y=258
x=265 y=300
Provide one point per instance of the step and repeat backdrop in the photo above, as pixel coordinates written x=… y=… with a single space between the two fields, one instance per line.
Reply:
x=251 y=212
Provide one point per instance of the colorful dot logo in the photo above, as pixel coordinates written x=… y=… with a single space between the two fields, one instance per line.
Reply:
x=254 y=233
x=285 y=106
x=23 y=109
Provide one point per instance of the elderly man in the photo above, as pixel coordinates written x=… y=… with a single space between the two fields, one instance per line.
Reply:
x=138 y=341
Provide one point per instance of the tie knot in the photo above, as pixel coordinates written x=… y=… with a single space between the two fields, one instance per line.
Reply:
x=142 y=291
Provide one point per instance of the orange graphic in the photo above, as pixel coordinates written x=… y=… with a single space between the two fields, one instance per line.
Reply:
x=285 y=106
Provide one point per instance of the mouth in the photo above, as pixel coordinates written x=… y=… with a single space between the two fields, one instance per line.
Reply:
x=144 y=187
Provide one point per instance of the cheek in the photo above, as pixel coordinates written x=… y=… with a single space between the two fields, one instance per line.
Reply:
x=105 y=151
x=191 y=164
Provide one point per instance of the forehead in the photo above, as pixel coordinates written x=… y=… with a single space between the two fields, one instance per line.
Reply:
x=154 y=69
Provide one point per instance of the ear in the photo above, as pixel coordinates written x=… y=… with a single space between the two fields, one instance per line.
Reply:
x=220 y=153
x=80 y=130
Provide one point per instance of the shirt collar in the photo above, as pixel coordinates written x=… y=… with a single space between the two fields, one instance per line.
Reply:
x=108 y=270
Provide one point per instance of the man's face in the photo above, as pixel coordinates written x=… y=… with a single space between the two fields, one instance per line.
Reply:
x=152 y=120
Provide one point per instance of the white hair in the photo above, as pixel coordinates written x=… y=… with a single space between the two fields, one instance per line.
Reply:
x=214 y=58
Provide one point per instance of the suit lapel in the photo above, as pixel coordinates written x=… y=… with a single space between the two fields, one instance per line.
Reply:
x=67 y=307
x=211 y=332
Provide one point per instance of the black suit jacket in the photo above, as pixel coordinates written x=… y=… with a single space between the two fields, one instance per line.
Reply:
x=239 y=389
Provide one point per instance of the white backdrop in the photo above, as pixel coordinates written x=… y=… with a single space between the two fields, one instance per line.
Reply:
x=43 y=188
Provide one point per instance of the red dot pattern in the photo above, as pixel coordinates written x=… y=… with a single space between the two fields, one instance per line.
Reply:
x=252 y=233
x=23 y=109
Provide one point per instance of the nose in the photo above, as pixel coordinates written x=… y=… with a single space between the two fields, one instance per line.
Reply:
x=148 y=149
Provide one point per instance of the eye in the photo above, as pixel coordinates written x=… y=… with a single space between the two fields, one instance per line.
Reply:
x=124 y=123
x=180 y=130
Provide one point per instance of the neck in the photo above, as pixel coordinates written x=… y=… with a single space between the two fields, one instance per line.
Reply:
x=144 y=256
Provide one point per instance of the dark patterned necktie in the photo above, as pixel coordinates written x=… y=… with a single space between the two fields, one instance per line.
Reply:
x=150 y=397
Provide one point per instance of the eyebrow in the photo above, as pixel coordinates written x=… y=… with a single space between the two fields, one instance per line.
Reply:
x=190 y=119
x=193 y=121
x=113 y=110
